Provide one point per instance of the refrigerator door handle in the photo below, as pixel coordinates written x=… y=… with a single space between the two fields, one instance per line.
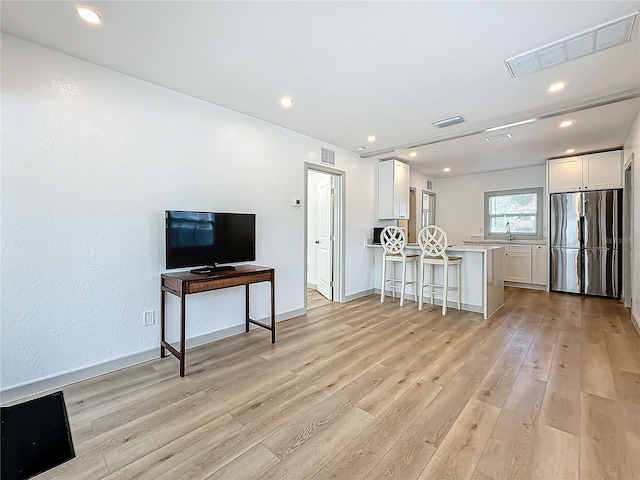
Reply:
x=581 y=231
x=586 y=207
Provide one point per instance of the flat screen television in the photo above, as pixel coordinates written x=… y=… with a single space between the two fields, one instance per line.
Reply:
x=207 y=239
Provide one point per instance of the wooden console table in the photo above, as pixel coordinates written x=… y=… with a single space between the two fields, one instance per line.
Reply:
x=184 y=283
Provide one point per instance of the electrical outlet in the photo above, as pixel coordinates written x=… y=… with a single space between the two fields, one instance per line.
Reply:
x=149 y=318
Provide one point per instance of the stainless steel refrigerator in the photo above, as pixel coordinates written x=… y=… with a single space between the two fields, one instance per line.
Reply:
x=586 y=242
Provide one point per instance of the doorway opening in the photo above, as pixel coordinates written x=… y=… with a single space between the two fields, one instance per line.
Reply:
x=428 y=208
x=324 y=235
x=627 y=235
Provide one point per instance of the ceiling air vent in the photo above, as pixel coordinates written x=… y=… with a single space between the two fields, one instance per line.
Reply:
x=328 y=157
x=615 y=32
x=447 y=122
x=498 y=138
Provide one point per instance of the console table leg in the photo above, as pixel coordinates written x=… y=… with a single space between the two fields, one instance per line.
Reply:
x=273 y=309
x=182 y=333
x=163 y=352
x=246 y=309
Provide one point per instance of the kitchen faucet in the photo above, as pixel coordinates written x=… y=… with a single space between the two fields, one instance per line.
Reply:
x=509 y=236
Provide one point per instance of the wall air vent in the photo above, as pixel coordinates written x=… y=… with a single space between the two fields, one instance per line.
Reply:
x=328 y=157
x=447 y=122
x=498 y=138
x=429 y=185
x=615 y=32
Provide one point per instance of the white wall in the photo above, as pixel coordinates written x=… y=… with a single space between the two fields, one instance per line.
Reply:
x=632 y=146
x=460 y=200
x=90 y=161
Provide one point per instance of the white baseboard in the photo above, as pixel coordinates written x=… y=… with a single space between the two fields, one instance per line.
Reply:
x=312 y=286
x=636 y=323
x=361 y=294
x=37 y=387
x=530 y=286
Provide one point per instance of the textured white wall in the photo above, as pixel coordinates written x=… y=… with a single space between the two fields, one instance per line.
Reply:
x=90 y=161
x=632 y=146
x=460 y=200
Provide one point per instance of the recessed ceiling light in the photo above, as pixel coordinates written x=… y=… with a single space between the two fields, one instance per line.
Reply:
x=88 y=15
x=571 y=150
x=556 y=87
x=286 y=102
x=413 y=154
x=566 y=123
x=371 y=138
x=360 y=149
x=447 y=169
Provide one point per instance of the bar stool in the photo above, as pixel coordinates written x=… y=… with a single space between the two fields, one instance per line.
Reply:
x=393 y=241
x=433 y=243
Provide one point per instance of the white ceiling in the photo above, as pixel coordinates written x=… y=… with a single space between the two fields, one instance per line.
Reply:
x=359 y=68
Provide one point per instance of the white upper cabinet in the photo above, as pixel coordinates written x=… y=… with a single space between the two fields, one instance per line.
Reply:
x=393 y=190
x=597 y=171
x=565 y=174
x=602 y=170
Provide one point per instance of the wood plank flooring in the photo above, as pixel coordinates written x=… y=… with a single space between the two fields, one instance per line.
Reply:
x=315 y=299
x=548 y=388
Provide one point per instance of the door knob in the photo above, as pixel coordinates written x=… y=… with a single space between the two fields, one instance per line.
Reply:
x=318 y=242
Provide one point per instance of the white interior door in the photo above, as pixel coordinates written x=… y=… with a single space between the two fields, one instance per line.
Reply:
x=325 y=240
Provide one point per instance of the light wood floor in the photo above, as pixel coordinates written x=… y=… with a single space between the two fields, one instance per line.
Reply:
x=548 y=388
x=315 y=299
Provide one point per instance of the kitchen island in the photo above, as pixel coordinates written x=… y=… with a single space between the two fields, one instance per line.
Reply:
x=482 y=272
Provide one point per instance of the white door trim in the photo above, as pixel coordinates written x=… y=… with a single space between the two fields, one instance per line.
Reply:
x=339 y=178
x=627 y=232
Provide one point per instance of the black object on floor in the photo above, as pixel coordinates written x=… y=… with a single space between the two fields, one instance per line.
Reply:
x=35 y=437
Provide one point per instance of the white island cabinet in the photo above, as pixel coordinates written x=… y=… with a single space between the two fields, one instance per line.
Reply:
x=482 y=272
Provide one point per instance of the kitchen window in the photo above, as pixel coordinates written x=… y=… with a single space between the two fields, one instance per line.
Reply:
x=513 y=214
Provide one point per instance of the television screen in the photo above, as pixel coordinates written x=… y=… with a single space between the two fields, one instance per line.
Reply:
x=207 y=239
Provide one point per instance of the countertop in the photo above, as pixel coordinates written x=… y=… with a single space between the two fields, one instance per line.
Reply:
x=507 y=242
x=450 y=248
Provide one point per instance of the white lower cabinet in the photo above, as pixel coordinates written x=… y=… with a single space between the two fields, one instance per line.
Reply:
x=517 y=265
x=525 y=263
x=539 y=264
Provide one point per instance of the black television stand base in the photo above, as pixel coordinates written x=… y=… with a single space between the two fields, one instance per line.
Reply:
x=214 y=269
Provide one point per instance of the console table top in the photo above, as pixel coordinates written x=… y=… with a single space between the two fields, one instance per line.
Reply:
x=239 y=270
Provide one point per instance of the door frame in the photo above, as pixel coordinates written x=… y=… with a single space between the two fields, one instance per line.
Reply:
x=339 y=178
x=432 y=207
x=628 y=208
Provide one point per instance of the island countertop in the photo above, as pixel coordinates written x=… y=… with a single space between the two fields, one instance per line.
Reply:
x=506 y=242
x=452 y=248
